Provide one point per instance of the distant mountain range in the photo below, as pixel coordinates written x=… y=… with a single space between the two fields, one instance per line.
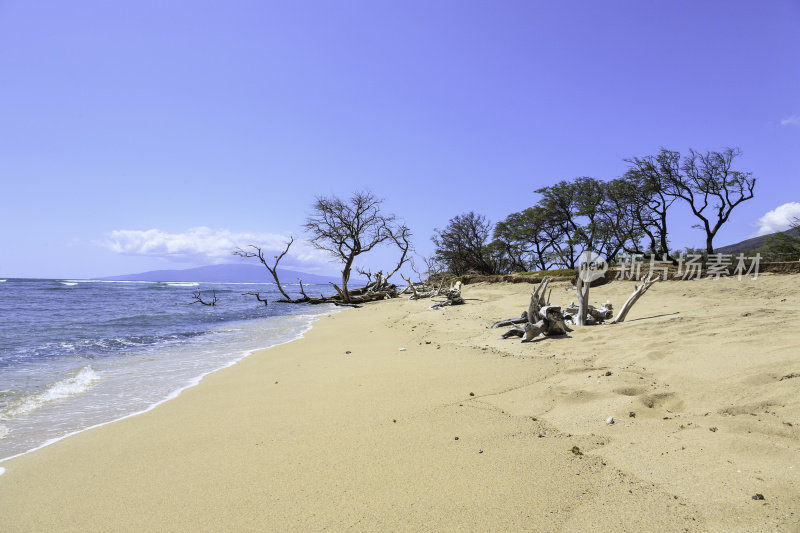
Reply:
x=751 y=244
x=230 y=273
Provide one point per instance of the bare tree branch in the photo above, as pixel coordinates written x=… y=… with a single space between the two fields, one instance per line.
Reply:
x=199 y=300
x=402 y=238
x=707 y=181
x=258 y=297
x=273 y=269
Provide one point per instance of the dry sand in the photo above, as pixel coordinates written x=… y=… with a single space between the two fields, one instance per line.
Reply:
x=307 y=437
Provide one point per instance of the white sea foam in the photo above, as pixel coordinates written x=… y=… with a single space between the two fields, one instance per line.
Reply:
x=68 y=283
x=107 y=281
x=298 y=334
x=57 y=391
x=3 y=431
x=182 y=284
x=3 y=280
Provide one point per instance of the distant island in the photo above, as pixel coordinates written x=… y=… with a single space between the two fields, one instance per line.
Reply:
x=227 y=273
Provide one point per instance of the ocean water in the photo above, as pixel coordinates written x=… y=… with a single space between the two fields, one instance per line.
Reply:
x=75 y=354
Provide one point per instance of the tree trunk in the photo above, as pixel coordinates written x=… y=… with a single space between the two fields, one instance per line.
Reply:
x=663 y=235
x=346 y=277
x=582 y=290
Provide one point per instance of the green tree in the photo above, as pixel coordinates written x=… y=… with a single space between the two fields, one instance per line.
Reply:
x=783 y=246
x=462 y=246
x=650 y=178
x=527 y=238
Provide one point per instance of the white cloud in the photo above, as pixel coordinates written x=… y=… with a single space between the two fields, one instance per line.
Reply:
x=794 y=120
x=203 y=245
x=779 y=218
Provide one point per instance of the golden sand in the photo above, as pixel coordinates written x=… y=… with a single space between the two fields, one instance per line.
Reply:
x=431 y=423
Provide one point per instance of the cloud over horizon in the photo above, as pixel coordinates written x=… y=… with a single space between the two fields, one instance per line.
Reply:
x=202 y=245
x=794 y=120
x=778 y=219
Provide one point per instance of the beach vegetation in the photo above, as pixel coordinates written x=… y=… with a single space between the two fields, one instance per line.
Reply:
x=464 y=246
x=783 y=246
x=623 y=216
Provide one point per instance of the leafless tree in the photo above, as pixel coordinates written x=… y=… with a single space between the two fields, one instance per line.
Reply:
x=349 y=228
x=402 y=239
x=712 y=188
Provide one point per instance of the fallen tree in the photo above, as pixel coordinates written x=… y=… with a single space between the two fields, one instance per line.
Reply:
x=378 y=288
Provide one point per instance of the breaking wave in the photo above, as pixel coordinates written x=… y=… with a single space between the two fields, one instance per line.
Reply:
x=57 y=391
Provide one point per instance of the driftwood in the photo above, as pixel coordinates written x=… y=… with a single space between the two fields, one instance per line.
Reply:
x=511 y=321
x=541 y=318
x=551 y=323
x=605 y=312
x=638 y=290
x=516 y=331
x=582 y=290
x=453 y=295
x=415 y=295
x=594 y=315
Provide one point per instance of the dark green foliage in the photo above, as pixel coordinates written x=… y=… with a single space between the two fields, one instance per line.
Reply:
x=782 y=246
x=463 y=246
x=627 y=215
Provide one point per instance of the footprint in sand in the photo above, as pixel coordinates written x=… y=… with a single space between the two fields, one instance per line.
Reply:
x=630 y=391
x=660 y=399
x=581 y=396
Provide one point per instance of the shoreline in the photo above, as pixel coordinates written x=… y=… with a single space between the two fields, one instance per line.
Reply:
x=193 y=382
x=303 y=435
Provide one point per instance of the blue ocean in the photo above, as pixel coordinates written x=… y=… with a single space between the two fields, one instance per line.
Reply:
x=76 y=353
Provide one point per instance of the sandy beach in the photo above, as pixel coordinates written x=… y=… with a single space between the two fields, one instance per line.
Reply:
x=393 y=417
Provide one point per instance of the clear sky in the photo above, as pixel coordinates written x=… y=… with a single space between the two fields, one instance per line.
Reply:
x=126 y=126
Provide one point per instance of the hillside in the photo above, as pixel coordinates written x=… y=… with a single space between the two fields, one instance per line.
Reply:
x=230 y=273
x=751 y=244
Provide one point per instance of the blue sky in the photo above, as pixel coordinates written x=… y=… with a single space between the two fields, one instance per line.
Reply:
x=124 y=127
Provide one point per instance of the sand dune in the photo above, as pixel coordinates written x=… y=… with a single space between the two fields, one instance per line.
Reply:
x=702 y=381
